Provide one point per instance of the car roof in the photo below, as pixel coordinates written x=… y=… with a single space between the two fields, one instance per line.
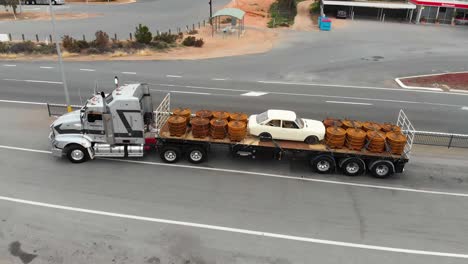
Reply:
x=282 y=115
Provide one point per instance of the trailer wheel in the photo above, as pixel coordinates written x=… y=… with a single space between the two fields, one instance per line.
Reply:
x=76 y=153
x=196 y=155
x=170 y=154
x=323 y=164
x=353 y=166
x=265 y=137
x=381 y=169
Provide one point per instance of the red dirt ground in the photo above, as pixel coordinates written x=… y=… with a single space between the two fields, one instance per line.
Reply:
x=448 y=80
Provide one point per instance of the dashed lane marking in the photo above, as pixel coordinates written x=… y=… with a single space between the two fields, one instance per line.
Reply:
x=130 y=73
x=88 y=70
x=173 y=76
x=33 y=81
x=46 y=67
x=9 y=65
x=351 y=103
x=254 y=94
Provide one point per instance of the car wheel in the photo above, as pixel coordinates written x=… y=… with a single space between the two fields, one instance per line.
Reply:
x=76 y=153
x=170 y=154
x=323 y=164
x=353 y=166
x=312 y=140
x=196 y=155
x=265 y=137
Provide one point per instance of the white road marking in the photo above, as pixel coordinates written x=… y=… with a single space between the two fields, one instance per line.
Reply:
x=191 y=167
x=87 y=70
x=358 y=87
x=465 y=108
x=254 y=94
x=33 y=81
x=131 y=73
x=9 y=65
x=21 y=102
x=236 y=230
x=351 y=103
x=308 y=95
x=46 y=67
x=190 y=92
x=31 y=9
x=173 y=76
x=218 y=79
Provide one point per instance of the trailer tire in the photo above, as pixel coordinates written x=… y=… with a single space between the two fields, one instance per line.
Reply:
x=196 y=155
x=353 y=166
x=323 y=164
x=170 y=154
x=76 y=153
x=265 y=137
x=382 y=169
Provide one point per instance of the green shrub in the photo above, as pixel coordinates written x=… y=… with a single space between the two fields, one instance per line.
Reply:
x=143 y=34
x=159 y=45
x=22 y=47
x=82 y=44
x=4 y=47
x=199 y=43
x=70 y=44
x=189 y=41
x=43 y=48
x=315 y=7
x=166 y=37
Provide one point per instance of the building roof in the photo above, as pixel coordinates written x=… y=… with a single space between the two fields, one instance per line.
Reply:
x=282 y=115
x=386 y=5
x=232 y=12
x=442 y=3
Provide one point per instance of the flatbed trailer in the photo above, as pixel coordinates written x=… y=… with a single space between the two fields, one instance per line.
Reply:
x=321 y=158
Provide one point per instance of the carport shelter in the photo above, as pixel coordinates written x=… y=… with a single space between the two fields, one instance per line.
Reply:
x=373 y=10
x=237 y=20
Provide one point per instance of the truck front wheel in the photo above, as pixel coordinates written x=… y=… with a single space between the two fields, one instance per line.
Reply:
x=76 y=153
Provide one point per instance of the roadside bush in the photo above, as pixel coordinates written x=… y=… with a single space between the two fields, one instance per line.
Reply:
x=143 y=34
x=94 y=51
x=129 y=45
x=181 y=35
x=189 y=41
x=101 y=42
x=315 y=7
x=199 y=43
x=82 y=44
x=166 y=37
x=4 y=47
x=70 y=44
x=117 y=45
x=159 y=45
x=22 y=47
x=43 y=48
x=193 y=32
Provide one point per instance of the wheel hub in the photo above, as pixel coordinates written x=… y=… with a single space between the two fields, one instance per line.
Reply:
x=77 y=155
x=196 y=155
x=323 y=165
x=382 y=170
x=352 y=167
x=170 y=155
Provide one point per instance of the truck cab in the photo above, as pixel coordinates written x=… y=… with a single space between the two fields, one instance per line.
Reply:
x=110 y=125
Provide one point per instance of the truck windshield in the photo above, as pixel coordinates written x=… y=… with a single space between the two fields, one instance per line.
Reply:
x=262 y=117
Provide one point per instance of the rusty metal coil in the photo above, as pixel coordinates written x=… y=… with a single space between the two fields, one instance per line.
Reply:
x=221 y=115
x=335 y=137
x=238 y=117
x=177 y=125
x=388 y=127
x=185 y=112
x=368 y=126
x=376 y=141
x=200 y=127
x=218 y=128
x=351 y=124
x=237 y=130
x=329 y=122
x=396 y=141
x=355 y=138
x=204 y=114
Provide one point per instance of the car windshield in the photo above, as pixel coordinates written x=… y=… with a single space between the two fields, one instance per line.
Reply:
x=262 y=117
x=299 y=122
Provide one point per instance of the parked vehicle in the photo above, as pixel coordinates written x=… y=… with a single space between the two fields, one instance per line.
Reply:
x=124 y=124
x=43 y=2
x=341 y=14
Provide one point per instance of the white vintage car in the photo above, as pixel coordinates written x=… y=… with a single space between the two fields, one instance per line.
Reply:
x=285 y=125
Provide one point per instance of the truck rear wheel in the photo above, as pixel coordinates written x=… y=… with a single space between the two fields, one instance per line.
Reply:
x=353 y=166
x=381 y=169
x=76 y=153
x=196 y=155
x=170 y=154
x=323 y=164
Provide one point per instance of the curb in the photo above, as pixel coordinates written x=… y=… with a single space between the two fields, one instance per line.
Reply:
x=402 y=85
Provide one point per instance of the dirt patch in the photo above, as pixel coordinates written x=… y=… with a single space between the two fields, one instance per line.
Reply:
x=256 y=11
x=8 y=16
x=445 y=81
x=303 y=19
x=118 y=2
x=16 y=251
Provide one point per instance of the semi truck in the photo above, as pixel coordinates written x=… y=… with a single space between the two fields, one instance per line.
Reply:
x=125 y=124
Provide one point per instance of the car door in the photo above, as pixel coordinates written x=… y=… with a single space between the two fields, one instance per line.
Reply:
x=291 y=131
x=274 y=128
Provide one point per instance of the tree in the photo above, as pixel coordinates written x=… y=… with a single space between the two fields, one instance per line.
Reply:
x=143 y=34
x=10 y=3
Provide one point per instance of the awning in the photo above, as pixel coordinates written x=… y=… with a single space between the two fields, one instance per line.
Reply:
x=232 y=12
x=384 y=5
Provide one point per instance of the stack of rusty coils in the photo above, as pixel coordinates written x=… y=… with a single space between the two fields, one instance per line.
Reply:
x=177 y=125
x=221 y=115
x=185 y=112
x=204 y=114
x=376 y=141
x=355 y=138
x=351 y=124
x=218 y=128
x=236 y=130
x=388 y=127
x=335 y=137
x=330 y=122
x=200 y=127
x=371 y=126
x=397 y=142
x=238 y=117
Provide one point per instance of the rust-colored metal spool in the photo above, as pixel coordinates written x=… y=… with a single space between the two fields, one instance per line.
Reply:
x=355 y=138
x=368 y=126
x=335 y=137
x=221 y=115
x=238 y=117
x=185 y=112
x=376 y=141
x=200 y=127
x=177 y=125
x=388 y=127
x=236 y=130
x=204 y=114
x=397 y=142
x=351 y=124
x=329 y=122
x=218 y=128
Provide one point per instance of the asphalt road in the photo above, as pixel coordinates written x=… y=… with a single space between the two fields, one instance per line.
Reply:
x=335 y=211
